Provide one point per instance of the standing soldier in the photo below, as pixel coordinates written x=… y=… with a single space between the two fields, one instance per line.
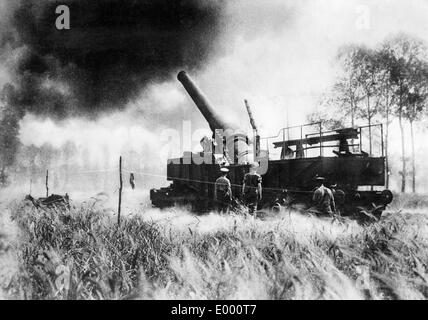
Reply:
x=323 y=198
x=252 y=189
x=223 y=192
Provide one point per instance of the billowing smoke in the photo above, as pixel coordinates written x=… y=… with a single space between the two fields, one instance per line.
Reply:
x=113 y=50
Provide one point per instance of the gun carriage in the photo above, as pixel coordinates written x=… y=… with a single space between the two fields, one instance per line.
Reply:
x=350 y=159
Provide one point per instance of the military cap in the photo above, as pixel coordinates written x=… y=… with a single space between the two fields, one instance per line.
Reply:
x=254 y=165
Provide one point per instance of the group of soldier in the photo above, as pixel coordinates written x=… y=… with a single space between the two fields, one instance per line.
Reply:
x=251 y=190
x=323 y=197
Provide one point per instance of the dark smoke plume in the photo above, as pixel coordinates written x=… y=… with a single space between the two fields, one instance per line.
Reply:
x=112 y=51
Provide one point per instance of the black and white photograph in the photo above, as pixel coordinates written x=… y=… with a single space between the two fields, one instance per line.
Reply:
x=209 y=150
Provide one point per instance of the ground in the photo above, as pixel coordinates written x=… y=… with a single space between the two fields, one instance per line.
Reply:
x=172 y=254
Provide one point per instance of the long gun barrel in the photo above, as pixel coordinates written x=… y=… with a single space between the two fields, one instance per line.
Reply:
x=214 y=120
x=236 y=142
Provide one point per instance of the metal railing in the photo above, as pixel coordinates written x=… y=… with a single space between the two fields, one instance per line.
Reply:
x=284 y=133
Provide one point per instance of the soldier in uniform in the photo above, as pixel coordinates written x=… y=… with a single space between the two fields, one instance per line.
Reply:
x=252 y=189
x=323 y=198
x=223 y=192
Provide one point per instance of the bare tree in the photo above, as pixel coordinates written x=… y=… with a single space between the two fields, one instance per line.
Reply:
x=368 y=76
x=354 y=94
x=417 y=100
x=406 y=55
x=346 y=92
x=386 y=97
x=329 y=122
x=390 y=81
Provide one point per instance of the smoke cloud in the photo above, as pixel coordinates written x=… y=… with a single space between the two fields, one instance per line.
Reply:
x=114 y=49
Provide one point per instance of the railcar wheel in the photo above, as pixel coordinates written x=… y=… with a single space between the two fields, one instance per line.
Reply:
x=387 y=197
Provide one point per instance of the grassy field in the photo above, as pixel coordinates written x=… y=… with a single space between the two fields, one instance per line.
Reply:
x=82 y=254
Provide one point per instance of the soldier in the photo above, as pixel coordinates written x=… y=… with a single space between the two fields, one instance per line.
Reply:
x=287 y=153
x=252 y=189
x=323 y=198
x=223 y=192
x=343 y=148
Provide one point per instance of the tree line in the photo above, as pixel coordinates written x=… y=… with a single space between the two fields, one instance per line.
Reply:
x=381 y=84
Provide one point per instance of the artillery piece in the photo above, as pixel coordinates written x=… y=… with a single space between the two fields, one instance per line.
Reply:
x=357 y=177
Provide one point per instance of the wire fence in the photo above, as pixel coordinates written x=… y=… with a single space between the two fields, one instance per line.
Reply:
x=132 y=173
x=204 y=181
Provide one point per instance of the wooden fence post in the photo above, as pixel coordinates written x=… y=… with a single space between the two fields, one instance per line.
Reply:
x=47 y=183
x=120 y=191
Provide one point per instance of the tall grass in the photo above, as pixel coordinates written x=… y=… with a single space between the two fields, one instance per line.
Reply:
x=409 y=201
x=81 y=254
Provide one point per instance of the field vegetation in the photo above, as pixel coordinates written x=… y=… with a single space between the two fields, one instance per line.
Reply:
x=81 y=253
